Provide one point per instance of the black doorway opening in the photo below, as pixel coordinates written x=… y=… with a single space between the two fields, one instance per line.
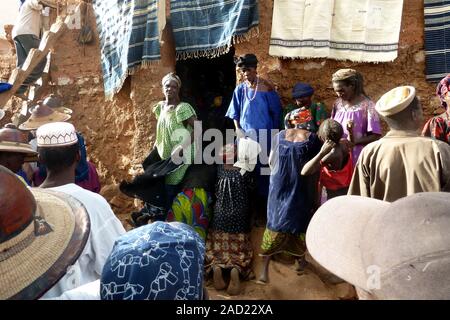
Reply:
x=208 y=84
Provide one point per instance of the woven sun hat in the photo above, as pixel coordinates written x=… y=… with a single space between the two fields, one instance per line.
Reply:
x=13 y=140
x=395 y=100
x=56 y=134
x=398 y=250
x=42 y=233
x=158 y=261
x=56 y=103
x=42 y=114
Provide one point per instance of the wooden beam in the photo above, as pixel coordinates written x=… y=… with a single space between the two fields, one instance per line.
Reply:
x=35 y=56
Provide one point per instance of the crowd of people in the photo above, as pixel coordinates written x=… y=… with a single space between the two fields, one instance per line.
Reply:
x=196 y=219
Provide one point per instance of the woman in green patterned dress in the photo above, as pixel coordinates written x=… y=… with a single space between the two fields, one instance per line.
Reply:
x=174 y=133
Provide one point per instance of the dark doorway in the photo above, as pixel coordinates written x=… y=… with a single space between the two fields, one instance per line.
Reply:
x=208 y=84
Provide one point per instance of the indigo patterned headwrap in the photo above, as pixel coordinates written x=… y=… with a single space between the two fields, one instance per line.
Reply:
x=158 y=261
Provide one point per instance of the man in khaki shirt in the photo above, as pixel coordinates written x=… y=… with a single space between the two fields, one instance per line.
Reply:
x=401 y=163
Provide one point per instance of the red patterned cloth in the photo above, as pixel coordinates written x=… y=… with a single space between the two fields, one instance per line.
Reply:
x=229 y=250
x=337 y=179
x=437 y=128
x=442 y=89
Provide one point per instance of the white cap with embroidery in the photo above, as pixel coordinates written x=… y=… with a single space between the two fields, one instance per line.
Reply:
x=56 y=134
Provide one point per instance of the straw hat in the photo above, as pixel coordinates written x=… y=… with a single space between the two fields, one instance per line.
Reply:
x=395 y=100
x=55 y=102
x=42 y=114
x=398 y=250
x=13 y=140
x=42 y=232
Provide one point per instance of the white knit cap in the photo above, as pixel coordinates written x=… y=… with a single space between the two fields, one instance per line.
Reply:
x=56 y=134
x=395 y=100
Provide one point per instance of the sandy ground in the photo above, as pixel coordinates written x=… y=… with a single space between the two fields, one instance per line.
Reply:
x=285 y=283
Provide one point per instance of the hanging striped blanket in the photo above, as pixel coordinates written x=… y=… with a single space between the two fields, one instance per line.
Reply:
x=208 y=28
x=129 y=38
x=437 y=39
x=356 y=30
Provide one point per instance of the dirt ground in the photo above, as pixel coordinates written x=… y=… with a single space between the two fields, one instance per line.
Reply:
x=284 y=282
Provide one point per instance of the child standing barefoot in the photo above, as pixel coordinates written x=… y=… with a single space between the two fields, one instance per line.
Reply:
x=228 y=245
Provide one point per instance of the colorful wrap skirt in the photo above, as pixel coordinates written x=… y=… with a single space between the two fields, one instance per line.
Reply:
x=282 y=243
x=193 y=207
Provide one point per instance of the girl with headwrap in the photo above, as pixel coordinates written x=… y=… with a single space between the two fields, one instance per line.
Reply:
x=302 y=94
x=174 y=133
x=438 y=127
x=354 y=108
x=292 y=197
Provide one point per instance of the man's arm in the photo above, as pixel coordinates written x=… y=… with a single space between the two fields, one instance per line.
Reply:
x=360 y=184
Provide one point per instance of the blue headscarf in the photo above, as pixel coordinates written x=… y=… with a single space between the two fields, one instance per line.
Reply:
x=301 y=90
x=82 y=170
x=158 y=261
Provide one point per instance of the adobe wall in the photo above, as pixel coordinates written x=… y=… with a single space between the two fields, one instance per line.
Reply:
x=120 y=133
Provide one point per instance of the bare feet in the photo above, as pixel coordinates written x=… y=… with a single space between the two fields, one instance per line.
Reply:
x=218 y=282
x=264 y=275
x=234 y=288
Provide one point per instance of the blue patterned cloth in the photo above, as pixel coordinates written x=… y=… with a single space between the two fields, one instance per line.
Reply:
x=158 y=261
x=128 y=33
x=437 y=39
x=207 y=28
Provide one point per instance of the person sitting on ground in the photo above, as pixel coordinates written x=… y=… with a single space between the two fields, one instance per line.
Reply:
x=293 y=198
x=334 y=160
x=397 y=250
x=26 y=34
x=42 y=233
x=228 y=247
x=438 y=127
x=158 y=261
x=302 y=93
x=59 y=151
x=15 y=151
x=401 y=163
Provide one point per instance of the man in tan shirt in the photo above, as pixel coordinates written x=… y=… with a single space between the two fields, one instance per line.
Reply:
x=401 y=163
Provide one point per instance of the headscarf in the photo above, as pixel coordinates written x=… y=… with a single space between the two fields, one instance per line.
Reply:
x=300 y=119
x=158 y=261
x=442 y=89
x=343 y=74
x=351 y=76
x=171 y=77
x=248 y=60
x=301 y=90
